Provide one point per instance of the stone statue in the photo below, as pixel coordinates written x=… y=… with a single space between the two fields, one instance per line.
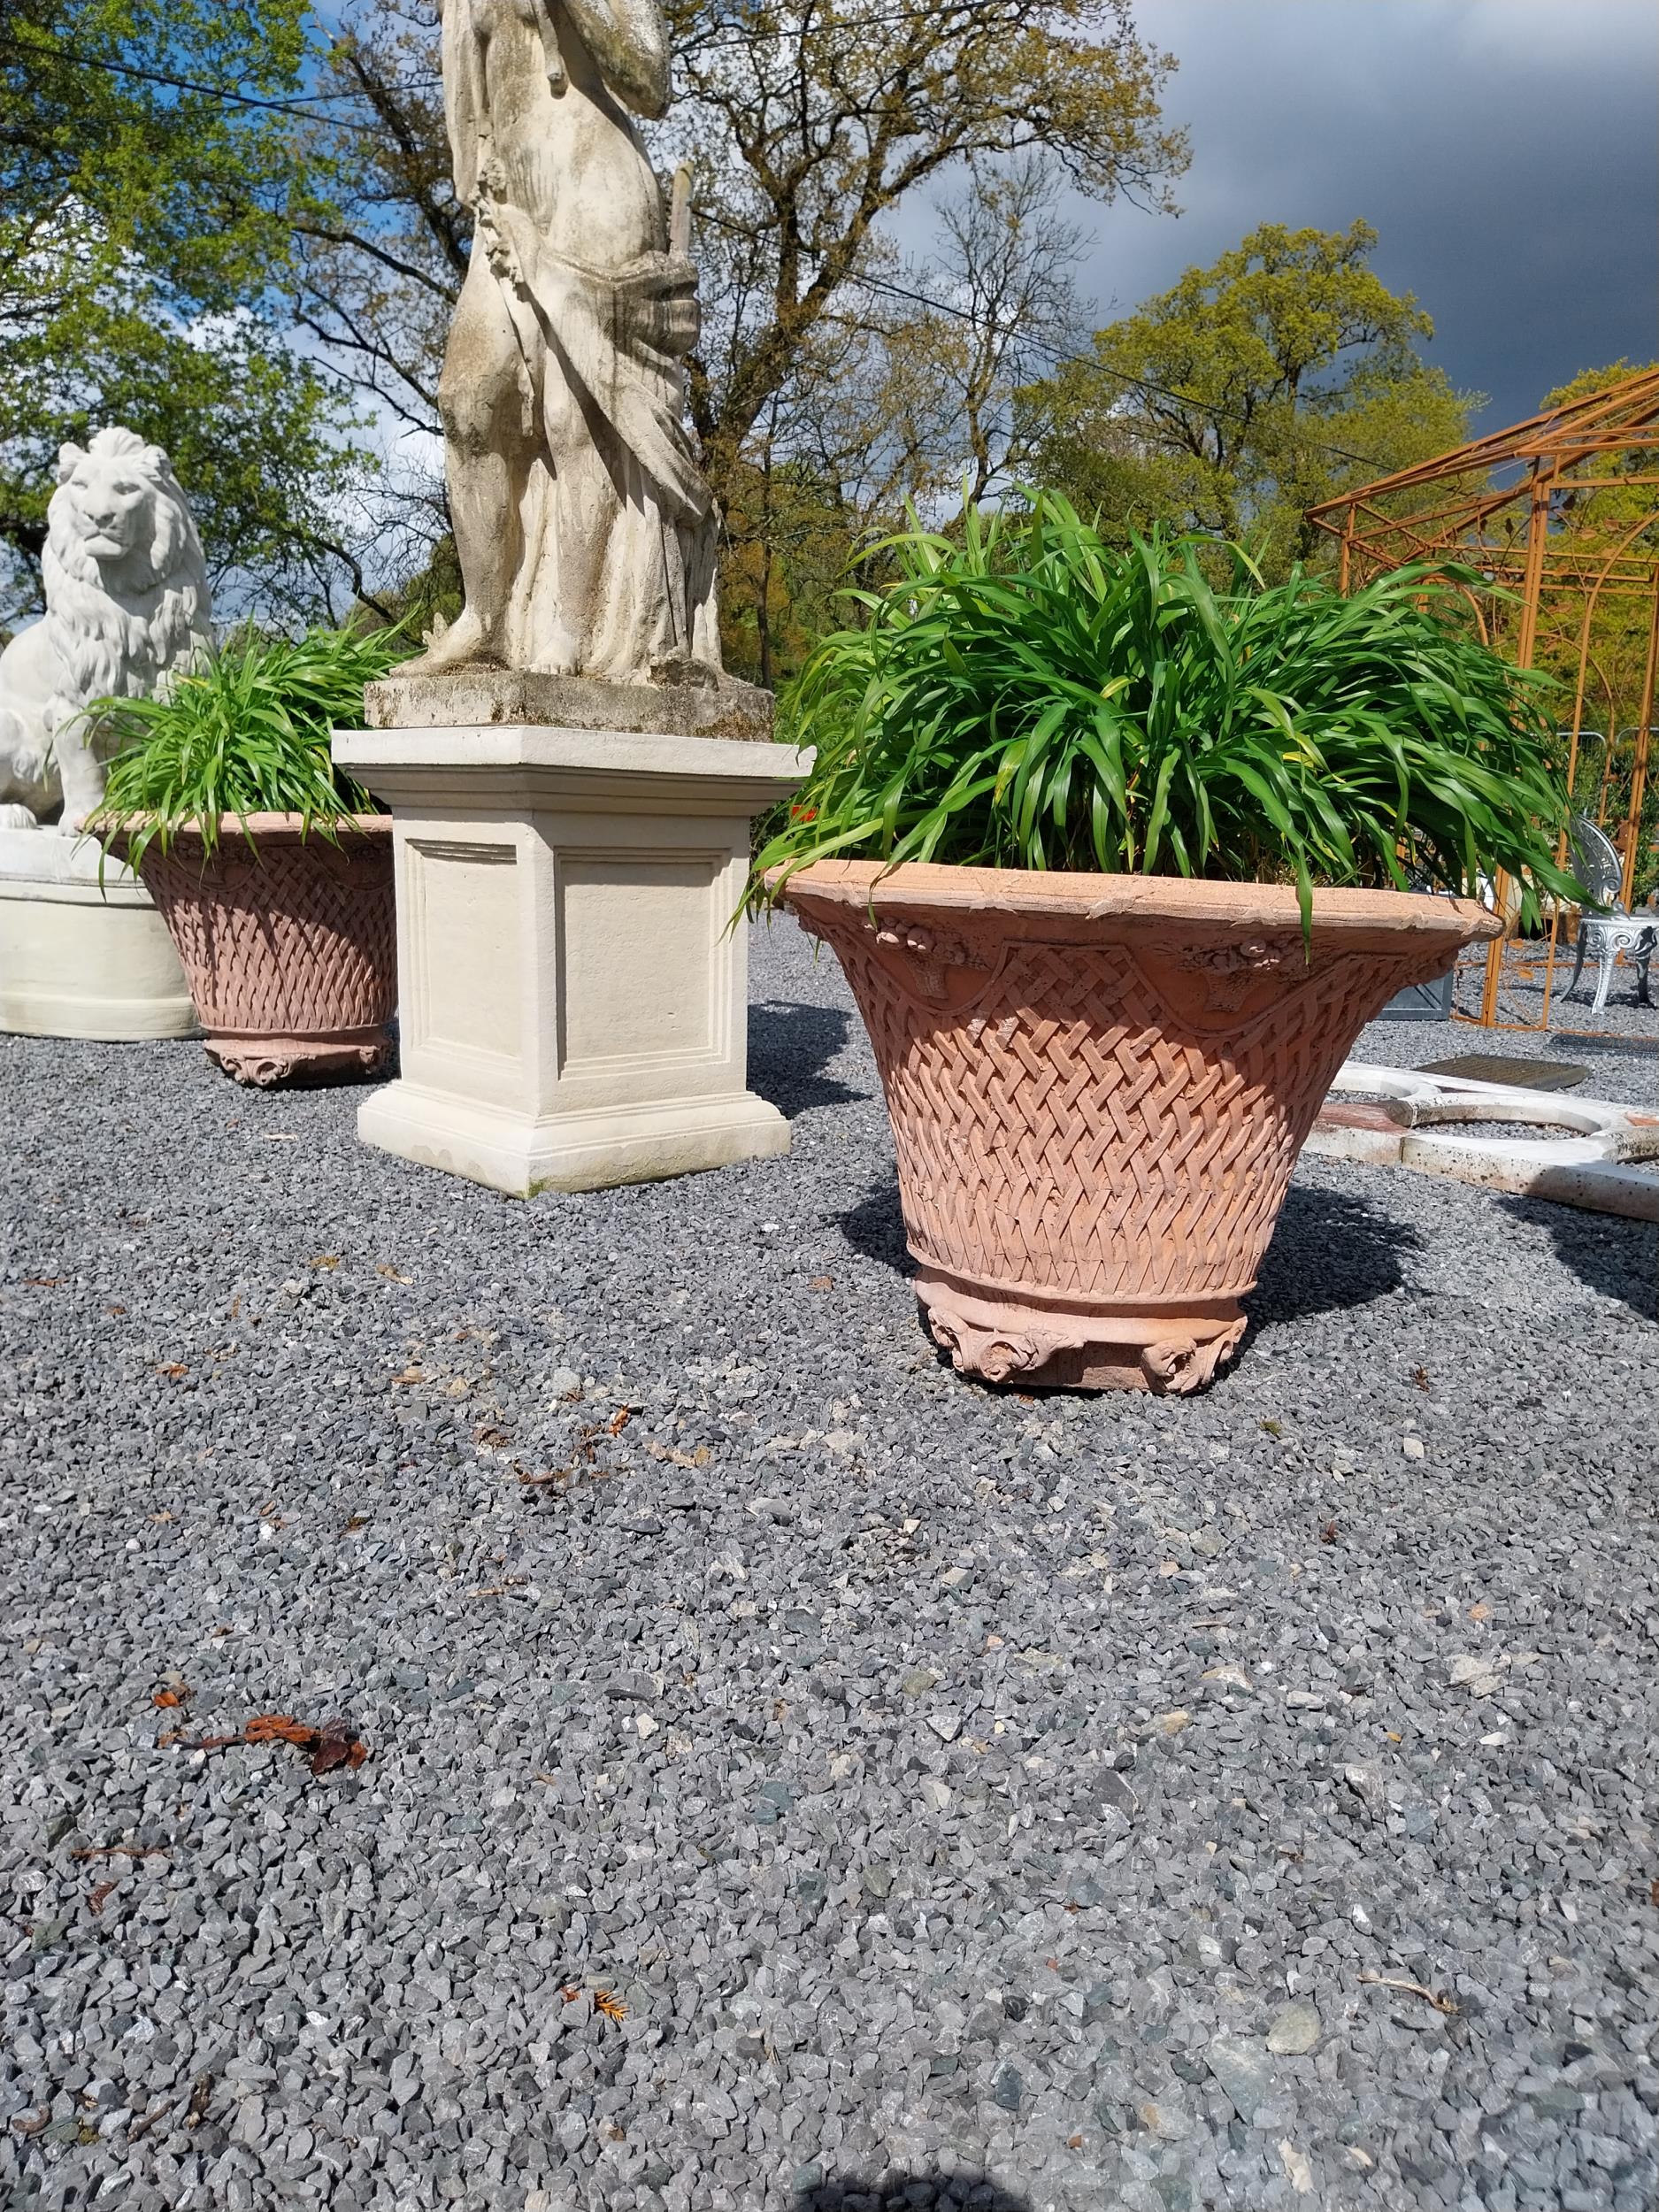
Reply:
x=127 y=601
x=585 y=528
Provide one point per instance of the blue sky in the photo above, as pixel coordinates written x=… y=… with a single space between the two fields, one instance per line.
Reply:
x=1507 y=150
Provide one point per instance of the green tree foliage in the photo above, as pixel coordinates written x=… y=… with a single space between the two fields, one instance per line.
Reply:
x=149 y=156
x=1278 y=377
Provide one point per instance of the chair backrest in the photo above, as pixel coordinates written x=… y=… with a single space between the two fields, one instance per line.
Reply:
x=1596 y=862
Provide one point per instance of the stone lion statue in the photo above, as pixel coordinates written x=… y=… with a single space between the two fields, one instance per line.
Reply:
x=127 y=603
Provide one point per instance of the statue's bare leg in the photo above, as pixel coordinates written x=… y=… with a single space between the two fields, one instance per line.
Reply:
x=488 y=440
x=587 y=507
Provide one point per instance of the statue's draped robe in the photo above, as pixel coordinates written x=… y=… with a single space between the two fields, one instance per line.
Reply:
x=617 y=341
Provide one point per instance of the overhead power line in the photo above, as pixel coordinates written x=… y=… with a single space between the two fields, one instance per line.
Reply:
x=305 y=109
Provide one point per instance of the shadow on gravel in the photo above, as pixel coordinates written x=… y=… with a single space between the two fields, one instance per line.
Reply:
x=900 y=2192
x=1330 y=1253
x=875 y=1226
x=1618 y=1258
x=789 y=1046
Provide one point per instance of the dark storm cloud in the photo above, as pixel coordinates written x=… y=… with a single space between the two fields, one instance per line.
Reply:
x=1507 y=150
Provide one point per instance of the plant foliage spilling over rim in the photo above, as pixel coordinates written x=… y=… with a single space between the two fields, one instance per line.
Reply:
x=244 y=732
x=1029 y=696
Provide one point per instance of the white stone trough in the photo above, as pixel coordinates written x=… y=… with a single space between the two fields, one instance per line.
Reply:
x=1586 y=1152
x=83 y=952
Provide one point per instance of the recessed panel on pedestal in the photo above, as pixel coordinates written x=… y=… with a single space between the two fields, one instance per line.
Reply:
x=464 y=923
x=637 y=979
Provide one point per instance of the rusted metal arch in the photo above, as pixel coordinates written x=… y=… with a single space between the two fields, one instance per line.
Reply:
x=1557 y=572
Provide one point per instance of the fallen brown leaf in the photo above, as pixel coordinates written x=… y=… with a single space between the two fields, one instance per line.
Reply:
x=409 y=1375
x=328 y=1746
x=822 y=1282
x=391 y=1273
x=1480 y=1612
x=536 y=1482
x=357 y=1521
x=176 y=1368
x=324 y=1259
x=276 y=1727
x=611 y=2007
x=1074 y=2142
x=179 y=1696
x=164 y=1515
x=43 y=1282
x=100 y=1894
x=618 y=1420
x=1420 y=1376
x=1327 y=1534
x=115 y=1309
x=334 y=1747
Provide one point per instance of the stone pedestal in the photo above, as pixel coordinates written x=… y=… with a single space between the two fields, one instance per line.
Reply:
x=572 y=1007
x=77 y=959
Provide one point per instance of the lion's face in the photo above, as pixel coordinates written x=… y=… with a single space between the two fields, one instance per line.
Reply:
x=112 y=506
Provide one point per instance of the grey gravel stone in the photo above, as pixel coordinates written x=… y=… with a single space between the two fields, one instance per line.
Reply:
x=1243 y=2069
x=814 y=1720
x=1295 y=2028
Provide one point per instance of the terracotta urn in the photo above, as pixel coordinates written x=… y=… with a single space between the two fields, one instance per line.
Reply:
x=1098 y=1086
x=288 y=943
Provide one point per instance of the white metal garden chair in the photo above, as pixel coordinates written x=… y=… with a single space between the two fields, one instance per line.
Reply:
x=1616 y=930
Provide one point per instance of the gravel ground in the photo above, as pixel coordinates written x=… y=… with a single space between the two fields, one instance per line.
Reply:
x=1117 y=1804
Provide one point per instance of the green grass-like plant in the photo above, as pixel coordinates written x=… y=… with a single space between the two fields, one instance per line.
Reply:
x=1030 y=696
x=245 y=732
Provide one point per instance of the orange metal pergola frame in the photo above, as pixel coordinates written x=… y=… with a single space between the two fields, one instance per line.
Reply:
x=1512 y=506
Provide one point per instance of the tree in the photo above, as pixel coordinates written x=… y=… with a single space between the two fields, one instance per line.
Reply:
x=148 y=153
x=903 y=392
x=1248 y=393
x=807 y=123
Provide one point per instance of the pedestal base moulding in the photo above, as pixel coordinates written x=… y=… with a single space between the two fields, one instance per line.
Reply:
x=1098 y=1086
